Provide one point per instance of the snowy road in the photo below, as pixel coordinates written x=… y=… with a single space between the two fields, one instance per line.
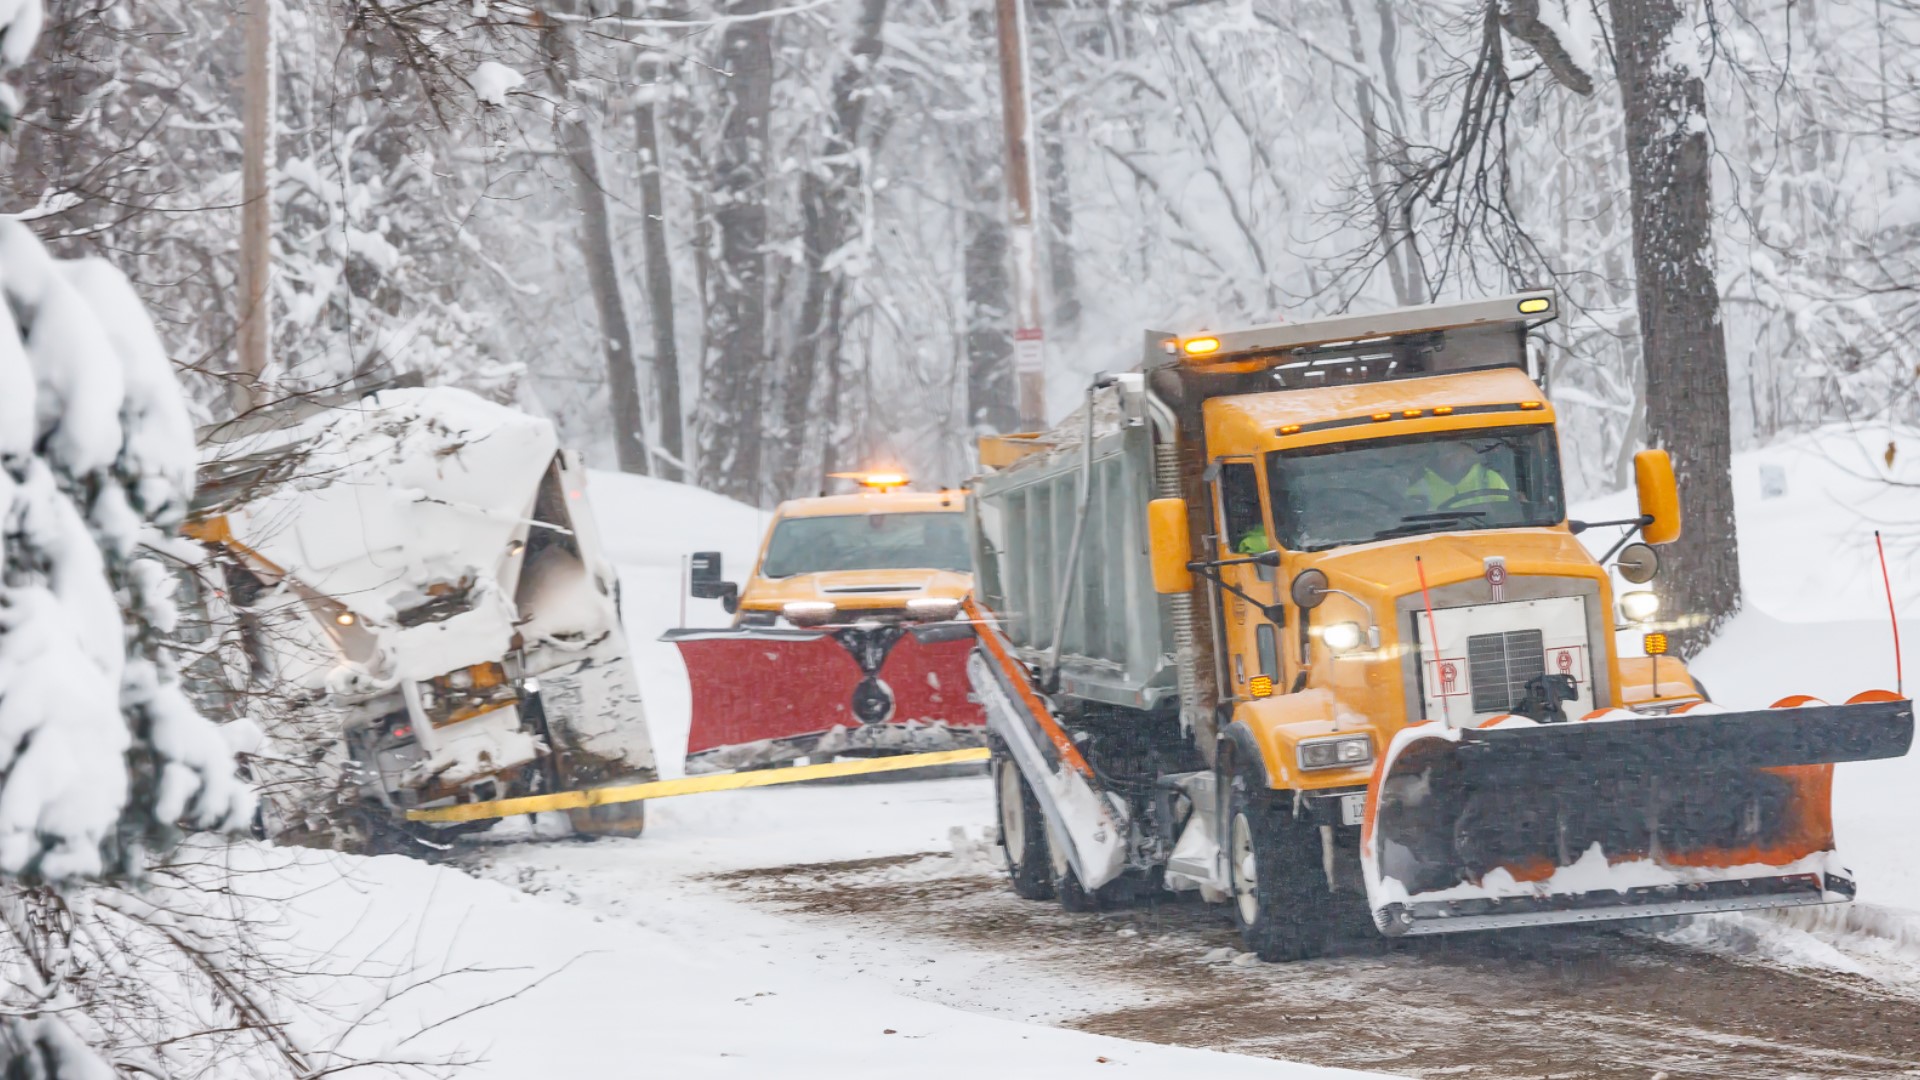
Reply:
x=860 y=884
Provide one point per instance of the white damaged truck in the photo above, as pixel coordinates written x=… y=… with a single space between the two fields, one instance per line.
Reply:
x=405 y=593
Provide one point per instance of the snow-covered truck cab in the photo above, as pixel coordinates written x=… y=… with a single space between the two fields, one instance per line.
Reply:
x=1328 y=629
x=843 y=640
x=422 y=566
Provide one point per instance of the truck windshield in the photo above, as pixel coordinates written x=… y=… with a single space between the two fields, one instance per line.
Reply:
x=1351 y=493
x=916 y=541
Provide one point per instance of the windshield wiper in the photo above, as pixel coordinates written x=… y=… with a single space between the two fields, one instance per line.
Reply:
x=1418 y=523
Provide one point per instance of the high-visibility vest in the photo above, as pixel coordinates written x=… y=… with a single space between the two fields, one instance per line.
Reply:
x=1254 y=541
x=1439 y=492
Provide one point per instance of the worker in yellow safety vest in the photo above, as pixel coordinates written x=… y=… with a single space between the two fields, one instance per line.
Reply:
x=1472 y=483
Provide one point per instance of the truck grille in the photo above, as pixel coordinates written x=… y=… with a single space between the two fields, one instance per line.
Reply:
x=1500 y=666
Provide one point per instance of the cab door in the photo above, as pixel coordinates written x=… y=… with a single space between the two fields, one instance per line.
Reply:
x=1252 y=643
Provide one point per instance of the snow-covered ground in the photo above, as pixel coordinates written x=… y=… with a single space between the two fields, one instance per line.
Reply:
x=650 y=975
x=641 y=956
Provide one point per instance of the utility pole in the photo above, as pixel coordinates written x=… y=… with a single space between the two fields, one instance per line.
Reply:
x=1029 y=339
x=256 y=212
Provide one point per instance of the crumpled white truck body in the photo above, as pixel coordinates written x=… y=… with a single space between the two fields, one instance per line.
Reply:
x=422 y=571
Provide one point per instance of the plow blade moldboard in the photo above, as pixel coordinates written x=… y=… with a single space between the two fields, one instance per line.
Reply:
x=764 y=696
x=1085 y=826
x=1619 y=816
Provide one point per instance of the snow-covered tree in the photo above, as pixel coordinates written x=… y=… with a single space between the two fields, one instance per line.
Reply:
x=102 y=759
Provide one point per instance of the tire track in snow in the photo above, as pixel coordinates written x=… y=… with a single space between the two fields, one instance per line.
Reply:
x=1569 y=1003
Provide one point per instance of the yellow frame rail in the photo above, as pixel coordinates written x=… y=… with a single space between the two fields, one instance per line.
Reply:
x=691 y=785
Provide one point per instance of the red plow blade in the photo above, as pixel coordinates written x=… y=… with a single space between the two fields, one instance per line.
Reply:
x=765 y=696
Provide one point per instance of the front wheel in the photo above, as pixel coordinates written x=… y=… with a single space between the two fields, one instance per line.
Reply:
x=1281 y=901
x=1023 y=832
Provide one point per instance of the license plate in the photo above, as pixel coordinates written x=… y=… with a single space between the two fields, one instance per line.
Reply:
x=1353 y=808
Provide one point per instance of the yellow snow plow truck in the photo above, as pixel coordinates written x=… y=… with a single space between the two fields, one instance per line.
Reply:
x=1294 y=616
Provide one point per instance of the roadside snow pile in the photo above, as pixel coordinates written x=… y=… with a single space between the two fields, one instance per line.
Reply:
x=647 y=528
x=417 y=952
x=1815 y=622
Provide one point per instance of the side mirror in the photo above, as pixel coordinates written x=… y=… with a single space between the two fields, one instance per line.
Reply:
x=1309 y=589
x=1168 y=546
x=704 y=583
x=1638 y=563
x=1659 y=496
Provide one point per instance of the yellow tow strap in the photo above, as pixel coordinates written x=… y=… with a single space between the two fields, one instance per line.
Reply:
x=691 y=785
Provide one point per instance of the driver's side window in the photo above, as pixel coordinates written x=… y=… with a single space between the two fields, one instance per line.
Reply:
x=1246 y=530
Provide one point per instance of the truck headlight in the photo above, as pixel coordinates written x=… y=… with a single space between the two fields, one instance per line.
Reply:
x=1343 y=636
x=933 y=608
x=1639 y=606
x=1343 y=752
x=807 y=612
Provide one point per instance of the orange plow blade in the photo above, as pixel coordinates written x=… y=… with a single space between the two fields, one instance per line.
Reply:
x=765 y=696
x=1618 y=816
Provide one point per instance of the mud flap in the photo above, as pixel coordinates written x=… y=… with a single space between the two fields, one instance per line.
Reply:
x=763 y=695
x=1083 y=821
x=1617 y=816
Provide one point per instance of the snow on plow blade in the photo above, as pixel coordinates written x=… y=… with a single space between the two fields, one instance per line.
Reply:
x=1620 y=816
x=763 y=696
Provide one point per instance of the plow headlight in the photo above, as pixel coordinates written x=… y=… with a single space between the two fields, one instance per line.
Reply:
x=807 y=612
x=1343 y=637
x=1340 y=753
x=1639 y=606
x=933 y=608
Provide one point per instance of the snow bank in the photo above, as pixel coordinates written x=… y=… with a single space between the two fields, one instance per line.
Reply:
x=581 y=994
x=647 y=527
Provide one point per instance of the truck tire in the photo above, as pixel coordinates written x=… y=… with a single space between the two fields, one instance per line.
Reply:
x=1023 y=832
x=1279 y=894
x=611 y=819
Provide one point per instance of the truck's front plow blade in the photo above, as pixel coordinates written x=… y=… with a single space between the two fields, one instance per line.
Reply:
x=1619 y=816
x=764 y=696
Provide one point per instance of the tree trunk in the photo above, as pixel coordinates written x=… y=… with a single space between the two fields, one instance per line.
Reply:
x=991 y=399
x=733 y=391
x=1682 y=341
x=603 y=272
x=653 y=232
x=828 y=226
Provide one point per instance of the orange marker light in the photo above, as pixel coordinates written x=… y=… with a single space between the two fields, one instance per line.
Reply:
x=1410 y=414
x=1290 y=429
x=1530 y=404
x=1379 y=416
x=1201 y=346
x=1443 y=410
x=878 y=481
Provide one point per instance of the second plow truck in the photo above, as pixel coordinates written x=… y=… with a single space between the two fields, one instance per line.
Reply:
x=1295 y=617
x=844 y=639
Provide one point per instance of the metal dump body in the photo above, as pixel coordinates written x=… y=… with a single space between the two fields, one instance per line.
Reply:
x=1117 y=640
